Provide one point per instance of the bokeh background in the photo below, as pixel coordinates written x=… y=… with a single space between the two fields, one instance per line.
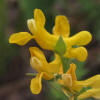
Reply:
x=14 y=60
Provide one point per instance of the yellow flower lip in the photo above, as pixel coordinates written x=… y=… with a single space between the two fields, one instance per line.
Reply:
x=32 y=25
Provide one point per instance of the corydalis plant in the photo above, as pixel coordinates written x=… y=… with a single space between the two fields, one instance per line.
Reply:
x=65 y=48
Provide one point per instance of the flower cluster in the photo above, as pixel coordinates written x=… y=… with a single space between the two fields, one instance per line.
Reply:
x=63 y=46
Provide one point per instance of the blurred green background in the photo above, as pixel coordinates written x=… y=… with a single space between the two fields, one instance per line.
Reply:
x=14 y=60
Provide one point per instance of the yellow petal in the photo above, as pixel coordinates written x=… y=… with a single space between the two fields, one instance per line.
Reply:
x=90 y=93
x=20 y=38
x=61 y=70
x=80 y=53
x=47 y=76
x=71 y=71
x=81 y=38
x=35 y=85
x=34 y=51
x=32 y=26
x=61 y=26
x=45 y=39
x=53 y=67
x=39 y=17
x=93 y=82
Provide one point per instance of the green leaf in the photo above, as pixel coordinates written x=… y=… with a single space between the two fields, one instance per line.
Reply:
x=60 y=46
x=31 y=74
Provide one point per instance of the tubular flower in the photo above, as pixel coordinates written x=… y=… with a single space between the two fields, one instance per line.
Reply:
x=45 y=70
x=71 y=84
x=48 y=41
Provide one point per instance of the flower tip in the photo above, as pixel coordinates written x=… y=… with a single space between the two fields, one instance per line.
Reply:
x=82 y=54
x=33 y=51
x=36 y=10
x=30 y=21
x=88 y=36
x=39 y=18
x=31 y=25
x=10 y=40
x=83 y=57
x=20 y=38
x=73 y=66
x=36 y=85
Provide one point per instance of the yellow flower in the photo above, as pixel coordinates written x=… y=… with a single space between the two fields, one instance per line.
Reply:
x=48 y=41
x=70 y=81
x=44 y=69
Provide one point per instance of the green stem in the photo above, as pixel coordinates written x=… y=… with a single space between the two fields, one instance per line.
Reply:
x=31 y=74
x=65 y=63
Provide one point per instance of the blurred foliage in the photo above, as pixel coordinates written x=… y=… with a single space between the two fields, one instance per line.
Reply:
x=92 y=11
x=28 y=6
x=6 y=51
x=2 y=39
